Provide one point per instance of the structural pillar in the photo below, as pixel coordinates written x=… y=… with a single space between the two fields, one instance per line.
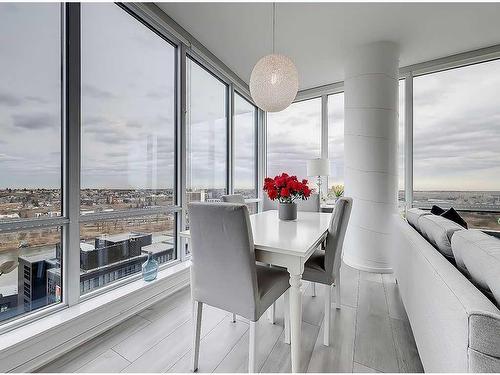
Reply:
x=370 y=143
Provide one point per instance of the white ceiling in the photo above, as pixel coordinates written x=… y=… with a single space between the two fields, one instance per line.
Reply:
x=317 y=36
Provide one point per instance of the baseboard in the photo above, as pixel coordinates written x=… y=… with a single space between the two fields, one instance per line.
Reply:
x=76 y=325
x=361 y=267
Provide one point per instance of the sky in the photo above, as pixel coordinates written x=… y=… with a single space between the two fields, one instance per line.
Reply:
x=128 y=108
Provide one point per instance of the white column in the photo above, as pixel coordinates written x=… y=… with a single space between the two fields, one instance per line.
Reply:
x=371 y=136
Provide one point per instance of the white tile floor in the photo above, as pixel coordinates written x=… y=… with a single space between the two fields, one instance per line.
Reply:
x=370 y=333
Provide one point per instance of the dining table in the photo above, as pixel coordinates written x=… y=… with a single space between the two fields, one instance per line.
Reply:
x=288 y=244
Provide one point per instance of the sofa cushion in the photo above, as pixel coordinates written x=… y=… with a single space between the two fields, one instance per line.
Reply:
x=412 y=216
x=478 y=256
x=438 y=231
x=453 y=215
x=436 y=210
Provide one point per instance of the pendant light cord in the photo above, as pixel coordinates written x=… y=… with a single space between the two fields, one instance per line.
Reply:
x=274 y=26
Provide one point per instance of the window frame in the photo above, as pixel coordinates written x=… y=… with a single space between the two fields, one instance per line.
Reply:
x=256 y=148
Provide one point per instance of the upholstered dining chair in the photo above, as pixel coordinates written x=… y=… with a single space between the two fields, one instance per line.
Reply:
x=323 y=267
x=224 y=273
x=311 y=204
x=233 y=198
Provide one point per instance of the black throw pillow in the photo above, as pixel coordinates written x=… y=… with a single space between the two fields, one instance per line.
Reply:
x=453 y=215
x=436 y=210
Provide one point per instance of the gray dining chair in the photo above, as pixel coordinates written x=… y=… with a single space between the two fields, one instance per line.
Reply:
x=224 y=273
x=233 y=198
x=323 y=267
x=309 y=205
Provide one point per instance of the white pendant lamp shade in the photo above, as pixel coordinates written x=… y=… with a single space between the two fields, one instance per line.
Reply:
x=274 y=82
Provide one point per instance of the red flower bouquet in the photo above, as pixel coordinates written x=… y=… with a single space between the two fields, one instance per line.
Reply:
x=286 y=188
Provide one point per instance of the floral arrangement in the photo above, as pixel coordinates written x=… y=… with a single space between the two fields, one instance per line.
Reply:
x=337 y=191
x=286 y=189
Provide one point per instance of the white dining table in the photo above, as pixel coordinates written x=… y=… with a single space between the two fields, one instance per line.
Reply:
x=288 y=244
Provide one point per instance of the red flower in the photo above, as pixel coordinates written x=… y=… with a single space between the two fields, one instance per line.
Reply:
x=285 y=192
x=286 y=188
x=273 y=194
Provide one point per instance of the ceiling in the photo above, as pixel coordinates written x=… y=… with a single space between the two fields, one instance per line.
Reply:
x=317 y=36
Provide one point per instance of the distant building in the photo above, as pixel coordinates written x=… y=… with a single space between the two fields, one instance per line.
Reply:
x=109 y=258
x=32 y=277
x=113 y=257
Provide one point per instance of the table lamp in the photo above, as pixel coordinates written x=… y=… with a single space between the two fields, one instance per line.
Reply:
x=318 y=168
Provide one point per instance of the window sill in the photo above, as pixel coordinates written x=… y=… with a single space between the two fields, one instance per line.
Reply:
x=33 y=345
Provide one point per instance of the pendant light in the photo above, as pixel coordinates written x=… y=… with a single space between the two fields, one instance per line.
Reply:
x=274 y=81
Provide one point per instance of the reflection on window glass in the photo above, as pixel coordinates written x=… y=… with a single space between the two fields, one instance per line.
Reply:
x=30 y=111
x=206 y=135
x=30 y=271
x=401 y=142
x=456 y=148
x=244 y=148
x=336 y=139
x=128 y=112
x=293 y=138
x=114 y=249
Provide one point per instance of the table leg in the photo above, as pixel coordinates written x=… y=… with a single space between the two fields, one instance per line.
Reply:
x=295 y=320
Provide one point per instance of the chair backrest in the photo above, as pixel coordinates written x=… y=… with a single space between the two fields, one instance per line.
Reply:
x=233 y=198
x=269 y=204
x=336 y=234
x=223 y=259
x=309 y=205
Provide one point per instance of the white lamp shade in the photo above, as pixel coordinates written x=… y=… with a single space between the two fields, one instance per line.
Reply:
x=274 y=82
x=318 y=167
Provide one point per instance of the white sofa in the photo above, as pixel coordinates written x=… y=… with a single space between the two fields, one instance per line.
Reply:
x=456 y=327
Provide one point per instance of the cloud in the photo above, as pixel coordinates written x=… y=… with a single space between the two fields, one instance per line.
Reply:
x=6 y=158
x=33 y=121
x=9 y=100
x=95 y=92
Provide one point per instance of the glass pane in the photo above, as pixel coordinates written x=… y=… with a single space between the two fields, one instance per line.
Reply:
x=456 y=147
x=206 y=134
x=128 y=113
x=401 y=142
x=114 y=249
x=245 y=147
x=293 y=138
x=336 y=139
x=30 y=271
x=30 y=110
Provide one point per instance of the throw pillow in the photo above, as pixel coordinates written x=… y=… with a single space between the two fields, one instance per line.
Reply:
x=436 y=210
x=453 y=215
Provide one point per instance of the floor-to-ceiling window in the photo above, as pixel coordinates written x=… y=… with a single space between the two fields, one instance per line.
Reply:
x=336 y=143
x=245 y=149
x=128 y=140
x=293 y=138
x=456 y=129
x=401 y=141
x=30 y=157
x=206 y=131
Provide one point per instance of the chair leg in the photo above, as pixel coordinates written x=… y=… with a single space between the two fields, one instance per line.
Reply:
x=234 y=318
x=314 y=289
x=286 y=313
x=197 y=312
x=251 y=349
x=328 y=308
x=337 y=290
